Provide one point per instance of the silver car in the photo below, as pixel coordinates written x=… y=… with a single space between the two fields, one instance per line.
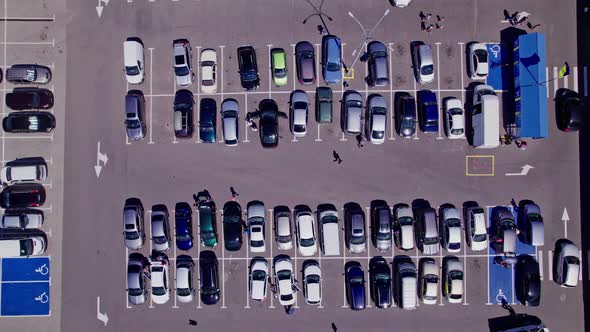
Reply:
x=183 y=64
x=136 y=290
x=352 y=106
x=28 y=74
x=354 y=230
x=133 y=223
x=230 y=110
x=298 y=110
x=376 y=119
x=381 y=227
x=160 y=228
x=256 y=223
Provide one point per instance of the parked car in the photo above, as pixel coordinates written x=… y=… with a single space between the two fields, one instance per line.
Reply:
x=380 y=276
x=354 y=277
x=305 y=62
x=134 y=230
x=329 y=229
x=134 y=115
x=381 y=227
x=28 y=74
x=22 y=219
x=282 y=227
x=428 y=281
x=569 y=110
x=453 y=280
x=26 y=172
x=450 y=227
x=248 y=68
x=403 y=227
x=269 y=123
x=284 y=280
x=22 y=195
x=306 y=238
x=230 y=110
x=209 y=278
x=504 y=233
x=405 y=116
x=256 y=219
x=454 y=118
x=23 y=245
x=323 y=104
x=183 y=62
x=376 y=119
x=136 y=281
x=258 y=279
x=350 y=119
x=527 y=281
x=29 y=98
x=478 y=61
x=183 y=114
x=185 y=289
x=428 y=111
x=160 y=280
x=331 y=59
x=532 y=230
x=354 y=229
x=377 y=64
x=312 y=282
x=207 y=223
x=207 y=120
x=298 y=113
x=406 y=285
x=208 y=71
x=476 y=228
x=422 y=62
x=427 y=233
x=232 y=226
x=183 y=219
x=28 y=122
x=278 y=65
x=133 y=55
x=160 y=228
x=567 y=268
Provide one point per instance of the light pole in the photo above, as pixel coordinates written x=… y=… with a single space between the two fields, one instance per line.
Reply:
x=367 y=36
x=318 y=12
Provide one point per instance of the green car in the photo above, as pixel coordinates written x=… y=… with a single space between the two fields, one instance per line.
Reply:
x=208 y=224
x=278 y=60
x=323 y=105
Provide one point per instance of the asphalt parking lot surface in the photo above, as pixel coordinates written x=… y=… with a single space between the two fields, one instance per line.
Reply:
x=162 y=169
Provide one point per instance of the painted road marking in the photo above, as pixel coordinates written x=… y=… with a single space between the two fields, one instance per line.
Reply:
x=479 y=165
x=540 y=260
x=555 y=81
x=576 y=78
x=550 y=264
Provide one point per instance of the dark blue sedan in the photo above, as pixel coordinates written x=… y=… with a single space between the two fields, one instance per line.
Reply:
x=331 y=59
x=428 y=111
x=355 y=285
x=184 y=225
x=207 y=120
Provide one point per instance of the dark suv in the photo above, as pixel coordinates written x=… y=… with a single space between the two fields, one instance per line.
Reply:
x=29 y=98
x=22 y=196
x=377 y=64
x=183 y=113
x=248 y=68
x=28 y=122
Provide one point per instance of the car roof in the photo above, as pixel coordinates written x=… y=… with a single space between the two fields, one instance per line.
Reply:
x=376 y=46
x=278 y=57
x=182 y=274
x=305 y=226
x=209 y=54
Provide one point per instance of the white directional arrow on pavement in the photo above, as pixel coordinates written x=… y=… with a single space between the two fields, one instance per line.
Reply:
x=100 y=316
x=100 y=7
x=565 y=217
x=525 y=170
x=100 y=157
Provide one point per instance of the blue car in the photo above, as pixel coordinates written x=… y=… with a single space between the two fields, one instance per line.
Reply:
x=355 y=285
x=427 y=111
x=331 y=60
x=207 y=120
x=183 y=219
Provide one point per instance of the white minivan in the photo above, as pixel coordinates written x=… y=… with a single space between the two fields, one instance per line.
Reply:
x=134 y=60
x=485 y=118
x=25 y=246
x=329 y=230
x=22 y=173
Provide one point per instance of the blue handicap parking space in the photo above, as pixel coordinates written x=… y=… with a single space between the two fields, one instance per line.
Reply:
x=24 y=286
x=495 y=66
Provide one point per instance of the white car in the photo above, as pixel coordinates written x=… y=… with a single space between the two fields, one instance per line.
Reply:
x=22 y=219
x=285 y=281
x=423 y=63
x=183 y=67
x=258 y=279
x=453 y=283
x=159 y=281
x=23 y=173
x=230 y=111
x=208 y=71
x=306 y=239
x=454 y=118
x=184 y=281
x=476 y=228
x=312 y=283
x=450 y=229
x=567 y=269
x=282 y=225
x=478 y=61
x=428 y=287
x=403 y=225
x=256 y=221
x=298 y=112
x=133 y=56
x=160 y=228
x=376 y=119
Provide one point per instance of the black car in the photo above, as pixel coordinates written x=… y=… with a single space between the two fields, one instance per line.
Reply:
x=232 y=226
x=527 y=281
x=405 y=115
x=378 y=66
x=380 y=276
x=569 y=109
x=323 y=104
x=22 y=196
x=305 y=62
x=355 y=285
x=183 y=113
x=207 y=120
x=269 y=123
x=28 y=122
x=209 y=277
x=248 y=68
x=29 y=98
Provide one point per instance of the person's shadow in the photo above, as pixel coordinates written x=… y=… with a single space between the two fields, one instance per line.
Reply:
x=334 y=328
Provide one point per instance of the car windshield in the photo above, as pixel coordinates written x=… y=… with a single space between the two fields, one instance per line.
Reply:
x=284 y=275
x=160 y=239
x=183 y=291
x=207 y=82
x=158 y=291
x=307 y=55
x=287 y=297
x=431 y=279
x=182 y=107
x=307 y=242
x=383 y=235
x=427 y=70
x=357 y=239
x=182 y=237
x=482 y=56
x=132 y=70
x=333 y=66
x=256 y=243
x=26 y=247
x=453 y=222
x=479 y=237
x=456 y=275
x=135 y=291
x=133 y=235
x=431 y=240
x=280 y=72
x=181 y=71
x=404 y=221
x=455 y=296
x=207 y=235
x=382 y=278
x=356 y=281
x=209 y=290
x=354 y=103
x=259 y=275
x=313 y=279
x=378 y=134
x=133 y=124
x=231 y=219
x=298 y=128
x=249 y=75
x=456 y=131
x=284 y=238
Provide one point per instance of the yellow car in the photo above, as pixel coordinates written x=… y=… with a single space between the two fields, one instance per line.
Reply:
x=278 y=66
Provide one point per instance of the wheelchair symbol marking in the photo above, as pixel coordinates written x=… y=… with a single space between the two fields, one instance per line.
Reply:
x=43 y=298
x=43 y=269
x=501 y=296
x=495 y=49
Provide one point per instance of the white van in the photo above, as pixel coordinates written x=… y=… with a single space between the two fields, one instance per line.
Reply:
x=134 y=60
x=400 y=3
x=22 y=219
x=28 y=246
x=23 y=173
x=407 y=286
x=485 y=118
x=329 y=230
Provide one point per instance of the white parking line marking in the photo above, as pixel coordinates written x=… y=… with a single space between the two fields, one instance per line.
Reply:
x=317 y=64
x=247 y=274
x=245 y=123
x=415 y=99
x=150 y=223
x=294 y=70
x=438 y=91
x=368 y=244
x=581 y=264
x=547 y=85
x=555 y=81
x=295 y=265
x=4 y=86
x=151 y=92
x=222 y=265
x=540 y=260
x=28 y=43
x=550 y=263
x=270 y=82
x=271 y=236
x=318 y=139
x=576 y=78
x=47 y=18
x=391 y=108
x=512 y=283
x=199 y=248
x=565 y=82
x=221 y=47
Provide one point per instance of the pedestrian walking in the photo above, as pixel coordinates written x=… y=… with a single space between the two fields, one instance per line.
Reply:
x=192 y=322
x=505 y=139
x=334 y=328
x=359 y=140
x=439 y=26
x=207 y=194
x=440 y=18
x=147 y=273
x=532 y=26
x=425 y=17
x=234 y=194
x=196 y=199
x=345 y=84
x=519 y=18
x=520 y=144
x=336 y=157
x=429 y=28
x=320 y=29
